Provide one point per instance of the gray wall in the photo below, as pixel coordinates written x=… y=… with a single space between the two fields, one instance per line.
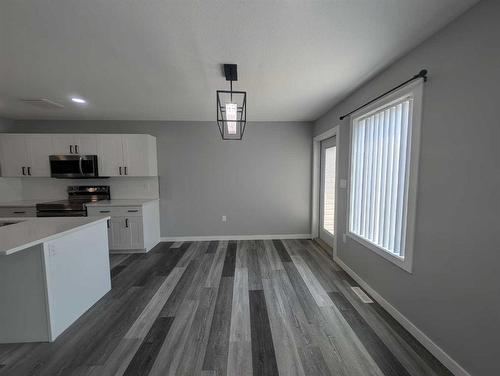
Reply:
x=262 y=183
x=453 y=295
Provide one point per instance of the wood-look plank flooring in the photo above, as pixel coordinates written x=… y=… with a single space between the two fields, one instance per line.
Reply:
x=228 y=308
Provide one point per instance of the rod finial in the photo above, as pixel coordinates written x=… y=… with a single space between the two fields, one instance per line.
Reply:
x=423 y=74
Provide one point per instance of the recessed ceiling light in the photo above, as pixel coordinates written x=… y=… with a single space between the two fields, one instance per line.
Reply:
x=78 y=100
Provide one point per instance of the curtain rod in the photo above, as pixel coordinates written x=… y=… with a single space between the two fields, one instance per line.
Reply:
x=421 y=74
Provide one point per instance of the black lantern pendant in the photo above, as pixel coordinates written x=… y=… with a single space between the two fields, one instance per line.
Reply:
x=231 y=107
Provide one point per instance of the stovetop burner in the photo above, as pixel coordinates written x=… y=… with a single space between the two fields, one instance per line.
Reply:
x=78 y=196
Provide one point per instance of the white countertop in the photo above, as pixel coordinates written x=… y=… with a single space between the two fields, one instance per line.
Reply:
x=122 y=202
x=21 y=203
x=32 y=231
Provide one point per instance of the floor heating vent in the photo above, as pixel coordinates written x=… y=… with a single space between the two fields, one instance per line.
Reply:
x=361 y=294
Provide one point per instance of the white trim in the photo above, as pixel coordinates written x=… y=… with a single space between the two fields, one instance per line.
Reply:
x=316 y=183
x=233 y=237
x=395 y=259
x=433 y=348
x=415 y=90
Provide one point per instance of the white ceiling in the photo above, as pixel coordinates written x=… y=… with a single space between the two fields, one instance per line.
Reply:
x=160 y=60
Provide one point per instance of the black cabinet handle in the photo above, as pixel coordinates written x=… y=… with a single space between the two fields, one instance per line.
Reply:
x=126 y=222
x=120 y=169
x=71 y=149
x=109 y=225
x=19 y=212
x=104 y=211
x=76 y=149
x=125 y=169
x=24 y=170
x=133 y=211
x=29 y=170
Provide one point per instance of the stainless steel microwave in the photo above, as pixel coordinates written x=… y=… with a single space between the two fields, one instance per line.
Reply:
x=73 y=166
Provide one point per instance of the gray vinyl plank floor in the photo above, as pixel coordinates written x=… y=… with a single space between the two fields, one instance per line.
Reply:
x=219 y=308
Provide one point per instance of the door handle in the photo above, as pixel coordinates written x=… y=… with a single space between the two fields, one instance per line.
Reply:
x=120 y=169
x=76 y=149
x=108 y=223
x=29 y=170
x=71 y=149
x=80 y=165
x=126 y=222
x=125 y=169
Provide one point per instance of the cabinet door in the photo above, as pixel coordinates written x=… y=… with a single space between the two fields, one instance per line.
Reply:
x=116 y=232
x=135 y=154
x=14 y=157
x=39 y=148
x=110 y=155
x=86 y=144
x=136 y=232
x=63 y=144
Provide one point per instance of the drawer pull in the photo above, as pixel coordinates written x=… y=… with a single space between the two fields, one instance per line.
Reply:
x=126 y=222
x=19 y=212
x=133 y=211
x=104 y=211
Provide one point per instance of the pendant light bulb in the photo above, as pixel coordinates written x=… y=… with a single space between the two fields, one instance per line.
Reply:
x=231 y=114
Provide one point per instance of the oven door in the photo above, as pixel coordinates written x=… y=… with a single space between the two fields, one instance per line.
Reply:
x=73 y=166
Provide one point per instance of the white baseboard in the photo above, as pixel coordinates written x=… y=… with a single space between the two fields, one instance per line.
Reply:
x=434 y=349
x=232 y=237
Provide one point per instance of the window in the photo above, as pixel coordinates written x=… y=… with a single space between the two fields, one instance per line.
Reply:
x=384 y=157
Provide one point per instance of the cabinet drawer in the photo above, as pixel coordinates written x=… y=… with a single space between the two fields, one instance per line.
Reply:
x=18 y=212
x=115 y=211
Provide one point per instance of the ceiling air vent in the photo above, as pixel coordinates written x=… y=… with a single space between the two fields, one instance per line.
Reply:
x=43 y=103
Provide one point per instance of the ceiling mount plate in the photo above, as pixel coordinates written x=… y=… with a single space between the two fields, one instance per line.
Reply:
x=231 y=72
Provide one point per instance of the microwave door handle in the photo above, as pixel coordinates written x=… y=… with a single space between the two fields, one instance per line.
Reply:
x=80 y=165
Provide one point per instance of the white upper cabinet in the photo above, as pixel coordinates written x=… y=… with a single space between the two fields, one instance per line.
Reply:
x=139 y=155
x=63 y=144
x=74 y=144
x=86 y=144
x=14 y=154
x=110 y=155
x=38 y=147
x=127 y=155
x=24 y=155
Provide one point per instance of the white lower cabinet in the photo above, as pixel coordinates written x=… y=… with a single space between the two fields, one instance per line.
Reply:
x=131 y=228
x=22 y=211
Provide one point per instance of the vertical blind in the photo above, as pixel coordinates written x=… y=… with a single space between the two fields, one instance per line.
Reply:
x=379 y=176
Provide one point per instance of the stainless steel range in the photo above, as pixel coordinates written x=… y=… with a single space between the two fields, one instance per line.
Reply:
x=74 y=206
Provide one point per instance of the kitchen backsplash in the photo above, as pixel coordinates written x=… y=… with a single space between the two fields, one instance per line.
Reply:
x=12 y=189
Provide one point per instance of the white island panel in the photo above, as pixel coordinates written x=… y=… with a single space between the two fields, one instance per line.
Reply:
x=78 y=274
x=52 y=270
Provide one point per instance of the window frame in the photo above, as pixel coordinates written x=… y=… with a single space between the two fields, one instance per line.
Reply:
x=413 y=90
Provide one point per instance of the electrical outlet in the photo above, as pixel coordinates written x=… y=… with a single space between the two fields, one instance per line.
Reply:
x=344 y=238
x=224 y=218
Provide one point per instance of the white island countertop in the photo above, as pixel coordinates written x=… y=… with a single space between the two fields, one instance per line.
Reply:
x=121 y=202
x=28 y=232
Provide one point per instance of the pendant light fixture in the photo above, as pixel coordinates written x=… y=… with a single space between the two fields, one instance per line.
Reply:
x=231 y=107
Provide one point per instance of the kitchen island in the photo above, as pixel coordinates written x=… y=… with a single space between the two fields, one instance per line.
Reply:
x=52 y=270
